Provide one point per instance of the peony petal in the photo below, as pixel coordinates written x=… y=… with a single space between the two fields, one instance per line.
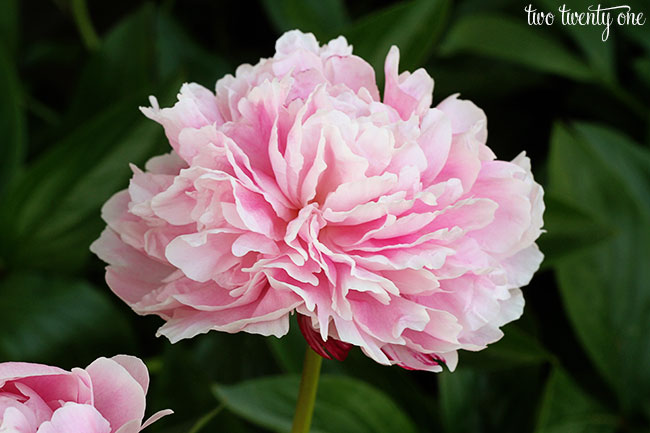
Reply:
x=407 y=93
x=76 y=418
x=118 y=396
x=18 y=420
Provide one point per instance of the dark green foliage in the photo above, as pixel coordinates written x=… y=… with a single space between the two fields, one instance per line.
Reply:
x=579 y=359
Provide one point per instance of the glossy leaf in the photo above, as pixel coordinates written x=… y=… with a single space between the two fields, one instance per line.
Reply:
x=569 y=229
x=503 y=401
x=413 y=26
x=605 y=288
x=500 y=37
x=45 y=319
x=324 y=18
x=124 y=67
x=516 y=348
x=57 y=199
x=566 y=408
x=599 y=54
x=190 y=367
x=343 y=405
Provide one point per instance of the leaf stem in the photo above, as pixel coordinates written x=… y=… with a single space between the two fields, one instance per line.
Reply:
x=84 y=25
x=204 y=420
x=307 y=392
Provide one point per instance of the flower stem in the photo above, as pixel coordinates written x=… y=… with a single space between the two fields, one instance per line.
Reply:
x=85 y=26
x=307 y=392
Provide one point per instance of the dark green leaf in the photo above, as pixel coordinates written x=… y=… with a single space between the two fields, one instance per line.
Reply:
x=176 y=51
x=516 y=348
x=289 y=351
x=12 y=122
x=343 y=405
x=569 y=228
x=566 y=408
x=55 y=205
x=123 y=67
x=638 y=33
x=599 y=54
x=642 y=69
x=45 y=319
x=324 y=18
x=200 y=424
x=9 y=20
x=188 y=369
x=504 y=38
x=413 y=26
x=457 y=396
x=605 y=288
x=485 y=401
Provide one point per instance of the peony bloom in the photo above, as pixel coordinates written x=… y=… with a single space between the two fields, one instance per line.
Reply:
x=384 y=223
x=107 y=397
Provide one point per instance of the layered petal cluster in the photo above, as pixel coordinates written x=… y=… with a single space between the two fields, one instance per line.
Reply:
x=108 y=396
x=383 y=222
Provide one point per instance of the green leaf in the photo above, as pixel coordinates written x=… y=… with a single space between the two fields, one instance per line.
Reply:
x=413 y=26
x=289 y=351
x=569 y=229
x=343 y=405
x=457 y=395
x=605 y=288
x=486 y=401
x=324 y=18
x=566 y=408
x=638 y=34
x=56 y=202
x=12 y=120
x=498 y=36
x=177 y=52
x=123 y=67
x=190 y=367
x=642 y=69
x=205 y=419
x=599 y=54
x=9 y=20
x=46 y=319
x=516 y=348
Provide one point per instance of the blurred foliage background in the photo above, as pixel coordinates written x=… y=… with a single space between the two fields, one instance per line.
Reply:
x=578 y=360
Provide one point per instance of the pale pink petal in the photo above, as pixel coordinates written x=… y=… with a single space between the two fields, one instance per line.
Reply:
x=407 y=93
x=118 y=396
x=136 y=369
x=15 y=420
x=196 y=107
x=76 y=418
x=353 y=72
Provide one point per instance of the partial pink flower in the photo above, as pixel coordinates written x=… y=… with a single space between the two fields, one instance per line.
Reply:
x=106 y=397
x=385 y=224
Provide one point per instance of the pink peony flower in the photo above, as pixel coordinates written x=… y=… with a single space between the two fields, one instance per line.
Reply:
x=385 y=224
x=107 y=397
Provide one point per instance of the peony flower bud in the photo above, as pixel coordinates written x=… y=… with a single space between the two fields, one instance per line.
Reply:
x=106 y=397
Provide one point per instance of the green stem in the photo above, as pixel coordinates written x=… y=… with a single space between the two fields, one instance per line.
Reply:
x=307 y=393
x=85 y=26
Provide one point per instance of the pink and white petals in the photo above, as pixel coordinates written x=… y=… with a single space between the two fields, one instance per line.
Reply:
x=387 y=225
x=76 y=418
x=106 y=397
